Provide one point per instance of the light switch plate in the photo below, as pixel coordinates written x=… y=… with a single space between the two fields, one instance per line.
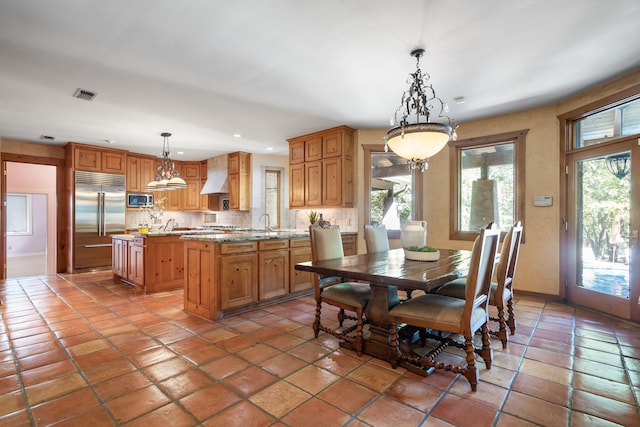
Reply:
x=543 y=201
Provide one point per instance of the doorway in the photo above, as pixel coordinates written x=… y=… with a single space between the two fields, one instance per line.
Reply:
x=603 y=221
x=30 y=244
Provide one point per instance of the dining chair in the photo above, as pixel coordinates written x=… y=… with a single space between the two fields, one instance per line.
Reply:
x=501 y=292
x=376 y=240
x=326 y=243
x=442 y=318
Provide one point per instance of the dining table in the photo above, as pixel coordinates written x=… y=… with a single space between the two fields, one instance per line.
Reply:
x=387 y=272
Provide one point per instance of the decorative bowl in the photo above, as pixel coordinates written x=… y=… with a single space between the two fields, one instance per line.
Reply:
x=421 y=256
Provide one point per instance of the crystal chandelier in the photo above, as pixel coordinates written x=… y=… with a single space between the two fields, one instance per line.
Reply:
x=167 y=177
x=412 y=135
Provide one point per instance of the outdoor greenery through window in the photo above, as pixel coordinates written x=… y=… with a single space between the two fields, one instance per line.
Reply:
x=395 y=196
x=610 y=124
x=488 y=177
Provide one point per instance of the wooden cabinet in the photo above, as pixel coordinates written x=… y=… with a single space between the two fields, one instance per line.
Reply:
x=140 y=171
x=328 y=169
x=163 y=263
x=200 y=297
x=119 y=258
x=136 y=261
x=273 y=268
x=92 y=159
x=239 y=170
x=238 y=265
x=300 y=251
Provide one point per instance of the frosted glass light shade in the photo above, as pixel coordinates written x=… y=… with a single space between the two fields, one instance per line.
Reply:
x=418 y=141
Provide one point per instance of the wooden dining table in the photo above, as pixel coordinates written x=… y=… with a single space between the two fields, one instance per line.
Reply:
x=384 y=271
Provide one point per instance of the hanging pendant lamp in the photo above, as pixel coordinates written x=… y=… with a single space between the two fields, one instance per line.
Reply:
x=414 y=137
x=167 y=177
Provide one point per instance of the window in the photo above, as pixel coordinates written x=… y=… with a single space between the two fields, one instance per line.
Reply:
x=272 y=196
x=394 y=190
x=19 y=218
x=621 y=120
x=487 y=183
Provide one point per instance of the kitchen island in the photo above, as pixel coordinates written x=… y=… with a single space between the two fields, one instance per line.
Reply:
x=234 y=272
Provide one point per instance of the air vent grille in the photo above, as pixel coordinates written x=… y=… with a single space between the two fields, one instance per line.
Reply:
x=47 y=138
x=84 y=94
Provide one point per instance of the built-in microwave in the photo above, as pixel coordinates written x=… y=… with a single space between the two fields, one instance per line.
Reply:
x=137 y=200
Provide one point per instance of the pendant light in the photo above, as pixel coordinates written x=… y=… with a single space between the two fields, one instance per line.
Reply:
x=167 y=177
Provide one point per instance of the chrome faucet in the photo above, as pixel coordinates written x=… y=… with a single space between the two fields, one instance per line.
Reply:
x=267 y=221
x=171 y=222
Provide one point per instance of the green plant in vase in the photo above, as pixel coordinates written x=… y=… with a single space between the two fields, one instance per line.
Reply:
x=313 y=217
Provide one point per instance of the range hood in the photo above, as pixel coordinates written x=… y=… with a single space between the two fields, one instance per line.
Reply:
x=217 y=176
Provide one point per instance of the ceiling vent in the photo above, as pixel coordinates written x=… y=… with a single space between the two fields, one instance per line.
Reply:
x=84 y=94
x=47 y=138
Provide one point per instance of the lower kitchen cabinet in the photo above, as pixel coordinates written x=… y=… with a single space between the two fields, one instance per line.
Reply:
x=273 y=262
x=300 y=251
x=199 y=297
x=150 y=263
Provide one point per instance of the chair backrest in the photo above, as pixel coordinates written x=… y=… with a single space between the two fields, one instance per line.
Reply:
x=326 y=243
x=376 y=238
x=516 y=239
x=483 y=257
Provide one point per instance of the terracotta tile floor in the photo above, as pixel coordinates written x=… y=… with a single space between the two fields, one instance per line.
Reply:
x=83 y=350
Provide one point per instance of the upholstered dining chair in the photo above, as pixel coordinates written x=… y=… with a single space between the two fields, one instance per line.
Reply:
x=326 y=243
x=440 y=317
x=501 y=293
x=376 y=240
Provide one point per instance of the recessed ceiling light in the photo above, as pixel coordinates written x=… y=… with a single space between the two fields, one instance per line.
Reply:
x=180 y=152
x=237 y=135
x=269 y=148
x=459 y=99
x=47 y=137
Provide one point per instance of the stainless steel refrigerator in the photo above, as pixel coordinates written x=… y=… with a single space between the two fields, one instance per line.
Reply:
x=99 y=213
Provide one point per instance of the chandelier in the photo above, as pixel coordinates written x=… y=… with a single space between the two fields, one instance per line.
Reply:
x=412 y=135
x=167 y=177
x=619 y=164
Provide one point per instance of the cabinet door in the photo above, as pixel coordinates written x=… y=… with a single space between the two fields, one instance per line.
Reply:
x=332 y=182
x=300 y=280
x=191 y=195
x=296 y=152
x=190 y=171
x=332 y=145
x=313 y=149
x=113 y=162
x=296 y=185
x=234 y=191
x=136 y=264
x=274 y=273
x=118 y=258
x=198 y=290
x=238 y=280
x=87 y=159
x=313 y=183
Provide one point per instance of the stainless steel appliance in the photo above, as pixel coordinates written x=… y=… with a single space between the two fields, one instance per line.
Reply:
x=99 y=213
x=139 y=200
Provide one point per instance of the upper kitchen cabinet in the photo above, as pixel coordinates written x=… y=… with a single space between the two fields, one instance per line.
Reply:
x=321 y=169
x=140 y=171
x=92 y=159
x=239 y=170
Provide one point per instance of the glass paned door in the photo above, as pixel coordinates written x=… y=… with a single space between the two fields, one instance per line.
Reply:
x=604 y=238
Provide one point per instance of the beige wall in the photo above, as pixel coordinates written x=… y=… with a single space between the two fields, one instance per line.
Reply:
x=538 y=268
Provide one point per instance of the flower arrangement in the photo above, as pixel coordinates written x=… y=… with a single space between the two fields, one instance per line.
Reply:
x=155 y=212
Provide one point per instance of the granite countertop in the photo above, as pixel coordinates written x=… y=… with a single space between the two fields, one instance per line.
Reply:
x=224 y=237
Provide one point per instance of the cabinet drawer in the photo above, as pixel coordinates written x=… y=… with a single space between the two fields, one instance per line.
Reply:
x=299 y=243
x=266 y=245
x=238 y=248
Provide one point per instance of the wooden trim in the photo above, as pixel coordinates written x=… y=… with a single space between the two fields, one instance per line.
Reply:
x=62 y=242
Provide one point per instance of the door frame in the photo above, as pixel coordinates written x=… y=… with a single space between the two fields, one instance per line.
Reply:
x=61 y=208
x=567 y=136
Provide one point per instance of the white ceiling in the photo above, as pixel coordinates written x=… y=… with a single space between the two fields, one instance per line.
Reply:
x=274 y=69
